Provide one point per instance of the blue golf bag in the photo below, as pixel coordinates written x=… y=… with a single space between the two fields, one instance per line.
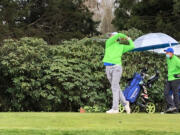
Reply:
x=132 y=91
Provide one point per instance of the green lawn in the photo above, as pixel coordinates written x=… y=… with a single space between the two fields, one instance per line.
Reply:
x=88 y=124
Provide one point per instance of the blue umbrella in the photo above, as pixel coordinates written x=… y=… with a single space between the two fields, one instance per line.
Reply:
x=154 y=41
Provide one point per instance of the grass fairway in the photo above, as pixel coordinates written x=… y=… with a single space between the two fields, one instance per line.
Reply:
x=88 y=124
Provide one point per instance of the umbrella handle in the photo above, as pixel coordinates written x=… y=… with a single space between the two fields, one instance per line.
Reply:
x=170 y=44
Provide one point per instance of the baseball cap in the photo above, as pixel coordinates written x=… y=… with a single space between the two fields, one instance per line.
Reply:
x=114 y=33
x=169 y=50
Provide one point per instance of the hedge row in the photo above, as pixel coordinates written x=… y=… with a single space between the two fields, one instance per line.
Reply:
x=39 y=77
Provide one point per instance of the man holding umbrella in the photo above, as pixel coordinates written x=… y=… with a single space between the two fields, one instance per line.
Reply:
x=173 y=83
x=153 y=41
x=112 y=60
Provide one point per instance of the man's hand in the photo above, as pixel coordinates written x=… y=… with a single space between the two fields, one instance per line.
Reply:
x=177 y=76
x=123 y=39
x=127 y=38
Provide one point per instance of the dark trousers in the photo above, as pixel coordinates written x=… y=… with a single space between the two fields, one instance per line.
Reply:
x=174 y=86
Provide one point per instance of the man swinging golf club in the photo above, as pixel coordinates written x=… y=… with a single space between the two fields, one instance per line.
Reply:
x=173 y=83
x=112 y=60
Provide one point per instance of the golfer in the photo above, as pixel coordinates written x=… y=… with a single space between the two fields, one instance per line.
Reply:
x=173 y=83
x=112 y=60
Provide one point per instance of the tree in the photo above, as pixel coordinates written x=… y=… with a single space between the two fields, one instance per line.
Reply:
x=150 y=16
x=53 y=20
x=176 y=7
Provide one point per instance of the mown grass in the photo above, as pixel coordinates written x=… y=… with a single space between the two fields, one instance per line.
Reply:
x=88 y=124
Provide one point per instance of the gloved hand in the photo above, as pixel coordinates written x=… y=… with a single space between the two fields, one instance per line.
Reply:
x=128 y=38
x=177 y=76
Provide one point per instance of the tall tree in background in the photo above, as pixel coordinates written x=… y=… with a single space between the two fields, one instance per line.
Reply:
x=53 y=20
x=149 y=16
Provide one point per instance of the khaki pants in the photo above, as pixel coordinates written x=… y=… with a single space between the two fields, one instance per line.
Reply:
x=114 y=74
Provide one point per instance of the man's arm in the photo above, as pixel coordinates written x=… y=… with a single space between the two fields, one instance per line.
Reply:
x=178 y=62
x=127 y=48
x=178 y=65
x=177 y=76
x=114 y=38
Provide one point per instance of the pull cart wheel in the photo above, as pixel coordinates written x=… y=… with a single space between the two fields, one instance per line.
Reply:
x=136 y=109
x=150 y=107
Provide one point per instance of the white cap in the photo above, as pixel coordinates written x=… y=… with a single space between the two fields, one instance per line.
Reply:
x=114 y=33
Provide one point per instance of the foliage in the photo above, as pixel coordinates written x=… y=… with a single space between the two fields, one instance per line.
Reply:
x=52 y=20
x=39 y=77
x=95 y=108
x=149 y=16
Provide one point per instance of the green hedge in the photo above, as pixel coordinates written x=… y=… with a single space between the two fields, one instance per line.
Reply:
x=39 y=77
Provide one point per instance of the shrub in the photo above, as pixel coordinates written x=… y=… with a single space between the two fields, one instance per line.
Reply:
x=39 y=77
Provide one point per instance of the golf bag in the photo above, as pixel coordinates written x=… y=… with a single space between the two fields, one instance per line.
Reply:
x=132 y=91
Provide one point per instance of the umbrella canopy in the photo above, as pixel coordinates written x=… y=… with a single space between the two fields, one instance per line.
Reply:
x=161 y=51
x=154 y=41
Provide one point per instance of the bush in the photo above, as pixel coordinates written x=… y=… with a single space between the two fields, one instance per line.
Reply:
x=95 y=108
x=38 y=77
x=22 y=70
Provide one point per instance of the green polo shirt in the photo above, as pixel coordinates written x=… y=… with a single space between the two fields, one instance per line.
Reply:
x=114 y=50
x=173 y=67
